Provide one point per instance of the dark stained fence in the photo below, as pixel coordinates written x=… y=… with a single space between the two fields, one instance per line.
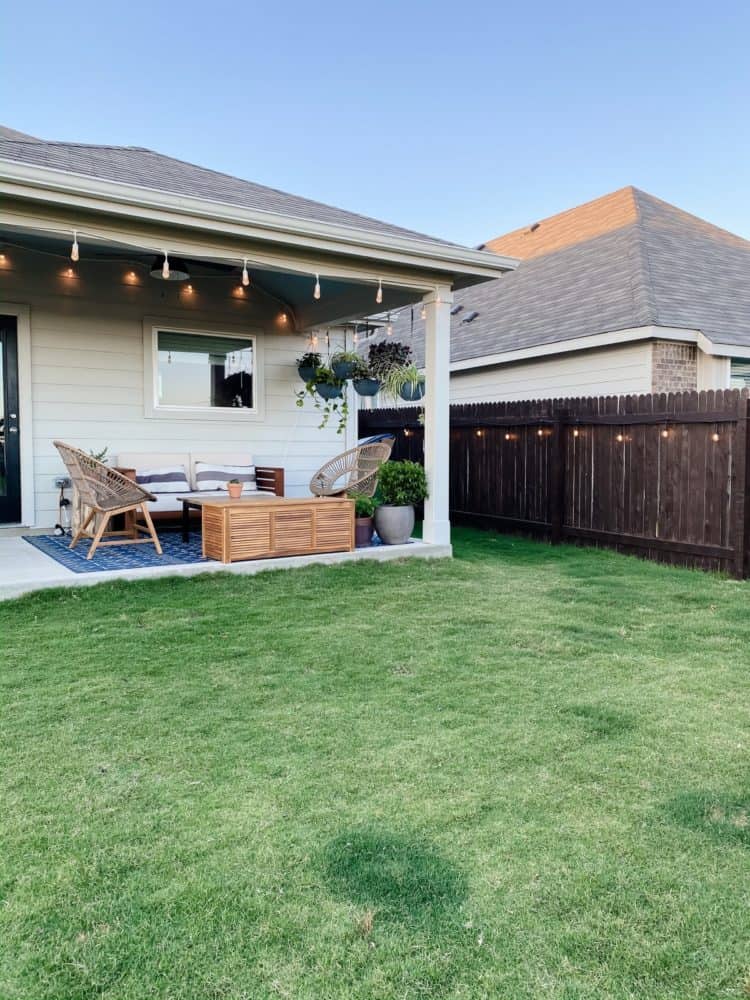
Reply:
x=663 y=476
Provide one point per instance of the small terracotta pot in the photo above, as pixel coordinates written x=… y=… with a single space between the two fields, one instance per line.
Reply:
x=234 y=490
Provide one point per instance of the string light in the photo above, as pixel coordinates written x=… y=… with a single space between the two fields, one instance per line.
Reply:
x=665 y=433
x=282 y=318
x=316 y=290
x=165 y=267
x=407 y=432
x=423 y=312
x=479 y=432
x=576 y=432
x=74 y=249
x=540 y=432
x=715 y=436
x=620 y=438
x=245 y=275
x=379 y=293
x=389 y=328
x=508 y=437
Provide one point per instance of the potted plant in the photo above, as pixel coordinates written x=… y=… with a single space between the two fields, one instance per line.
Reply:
x=364 y=382
x=386 y=355
x=406 y=381
x=308 y=364
x=343 y=364
x=234 y=488
x=364 y=508
x=328 y=385
x=401 y=485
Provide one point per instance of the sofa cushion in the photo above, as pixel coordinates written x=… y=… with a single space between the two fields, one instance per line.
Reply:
x=212 y=476
x=164 y=479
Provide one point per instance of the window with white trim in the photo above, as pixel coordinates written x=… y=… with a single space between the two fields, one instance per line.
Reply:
x=205 y=371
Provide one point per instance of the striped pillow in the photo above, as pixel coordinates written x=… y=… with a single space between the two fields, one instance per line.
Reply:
x=168 y=479
x=215 y=477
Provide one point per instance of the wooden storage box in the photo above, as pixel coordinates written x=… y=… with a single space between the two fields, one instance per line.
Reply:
x=262 y=529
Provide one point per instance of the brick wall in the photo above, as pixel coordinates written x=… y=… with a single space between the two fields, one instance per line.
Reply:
x=674 y=366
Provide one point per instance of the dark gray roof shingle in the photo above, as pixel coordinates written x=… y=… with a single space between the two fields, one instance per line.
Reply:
x=662 y=267
x=148 y=169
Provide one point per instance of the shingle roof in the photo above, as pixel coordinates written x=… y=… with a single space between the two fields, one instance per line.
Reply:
x=148 y=169
x=625 y=260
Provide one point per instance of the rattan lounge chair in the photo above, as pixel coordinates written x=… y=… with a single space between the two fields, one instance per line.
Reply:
x=106 y=492
x=353 y=471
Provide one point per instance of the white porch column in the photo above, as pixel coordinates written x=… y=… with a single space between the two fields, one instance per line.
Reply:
x=437 y=526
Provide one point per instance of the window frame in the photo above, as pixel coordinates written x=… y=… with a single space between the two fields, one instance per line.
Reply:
x=153 y=408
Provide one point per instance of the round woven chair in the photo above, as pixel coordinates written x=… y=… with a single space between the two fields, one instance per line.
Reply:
x=353 y=471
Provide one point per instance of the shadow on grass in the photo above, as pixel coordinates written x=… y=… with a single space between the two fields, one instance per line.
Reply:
x=722 y=817
x=601 y=723
x=400 y=877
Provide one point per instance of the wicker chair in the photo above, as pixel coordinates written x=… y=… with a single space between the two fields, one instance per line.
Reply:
x=106 y=492
x=353 y=471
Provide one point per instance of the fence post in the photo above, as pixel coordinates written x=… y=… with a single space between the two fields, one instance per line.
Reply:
x=557 y=475
x=739 y=476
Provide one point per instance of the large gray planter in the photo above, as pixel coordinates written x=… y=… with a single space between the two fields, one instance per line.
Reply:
x=394 y=524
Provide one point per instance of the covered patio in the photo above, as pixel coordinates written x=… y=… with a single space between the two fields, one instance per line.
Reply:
x=93 y=271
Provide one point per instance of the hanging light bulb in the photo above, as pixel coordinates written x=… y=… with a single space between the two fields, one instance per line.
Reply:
x=316 y=290
x=423 y=312
x=165 y=267
x=74 y=249
x=245 y=275
x=379 y=293
x=389 y=328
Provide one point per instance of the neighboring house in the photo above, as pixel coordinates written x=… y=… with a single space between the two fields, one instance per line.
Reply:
x=102 y=345
x=625 y=294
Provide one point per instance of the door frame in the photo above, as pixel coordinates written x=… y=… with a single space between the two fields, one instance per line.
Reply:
x=22 y=314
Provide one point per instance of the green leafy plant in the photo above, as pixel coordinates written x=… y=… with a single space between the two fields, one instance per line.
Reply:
x=404 y=376
x=402 y=484
x=364 y=506
x=361 y=369
x=326 y=390
x=386 y=355
x=310 y=359
x=234 y=481
x=100 y=456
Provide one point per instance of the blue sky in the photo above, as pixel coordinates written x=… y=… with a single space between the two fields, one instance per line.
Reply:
x=460 y=120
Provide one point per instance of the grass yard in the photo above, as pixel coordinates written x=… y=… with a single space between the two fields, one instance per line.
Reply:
x=519 y=774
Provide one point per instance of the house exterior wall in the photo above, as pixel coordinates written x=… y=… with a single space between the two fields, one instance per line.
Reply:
x=600 y=372
x=674 y=366
x=87 y=382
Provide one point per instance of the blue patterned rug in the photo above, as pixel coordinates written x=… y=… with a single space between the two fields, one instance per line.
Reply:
x=176 y=553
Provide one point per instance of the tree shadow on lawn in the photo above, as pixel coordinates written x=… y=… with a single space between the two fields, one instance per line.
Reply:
x=601 y=723
x=723 y=817
x=401 y=878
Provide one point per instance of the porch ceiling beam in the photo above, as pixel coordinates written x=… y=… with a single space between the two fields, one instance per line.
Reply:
x=210 y=248
x=43 y=184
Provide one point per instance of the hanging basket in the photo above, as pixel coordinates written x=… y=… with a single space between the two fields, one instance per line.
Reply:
x=366 y=386
x=411 y=392
x=327 y=391
x=343 y=369
x=306 y=373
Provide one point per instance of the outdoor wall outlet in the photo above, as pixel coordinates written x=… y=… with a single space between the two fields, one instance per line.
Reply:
x=62 y=483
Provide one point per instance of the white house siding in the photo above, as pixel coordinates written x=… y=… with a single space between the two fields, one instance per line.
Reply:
x=87 y=372
x=601 y=372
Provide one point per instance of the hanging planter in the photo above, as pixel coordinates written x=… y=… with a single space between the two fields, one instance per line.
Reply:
x=307 y=365
x=344 y=364
x=412 y=392
x=366 y=386
x=327 y=390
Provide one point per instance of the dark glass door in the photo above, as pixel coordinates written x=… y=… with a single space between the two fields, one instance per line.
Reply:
x=10 y=445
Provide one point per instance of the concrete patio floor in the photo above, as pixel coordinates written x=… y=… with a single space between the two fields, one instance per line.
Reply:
x=24 y=569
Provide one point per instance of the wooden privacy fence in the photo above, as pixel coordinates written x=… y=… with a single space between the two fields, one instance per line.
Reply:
x=663 y=475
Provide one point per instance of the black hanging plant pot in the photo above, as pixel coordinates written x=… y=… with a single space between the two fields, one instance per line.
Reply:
x=366 y=386
x=306 y=372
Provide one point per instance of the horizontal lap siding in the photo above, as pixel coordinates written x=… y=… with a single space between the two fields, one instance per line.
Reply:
x=88 y=382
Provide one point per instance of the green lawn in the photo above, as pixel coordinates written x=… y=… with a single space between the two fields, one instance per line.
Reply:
x=522 y=773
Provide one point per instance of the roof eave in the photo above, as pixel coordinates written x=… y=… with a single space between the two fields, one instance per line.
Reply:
x=466 y=266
